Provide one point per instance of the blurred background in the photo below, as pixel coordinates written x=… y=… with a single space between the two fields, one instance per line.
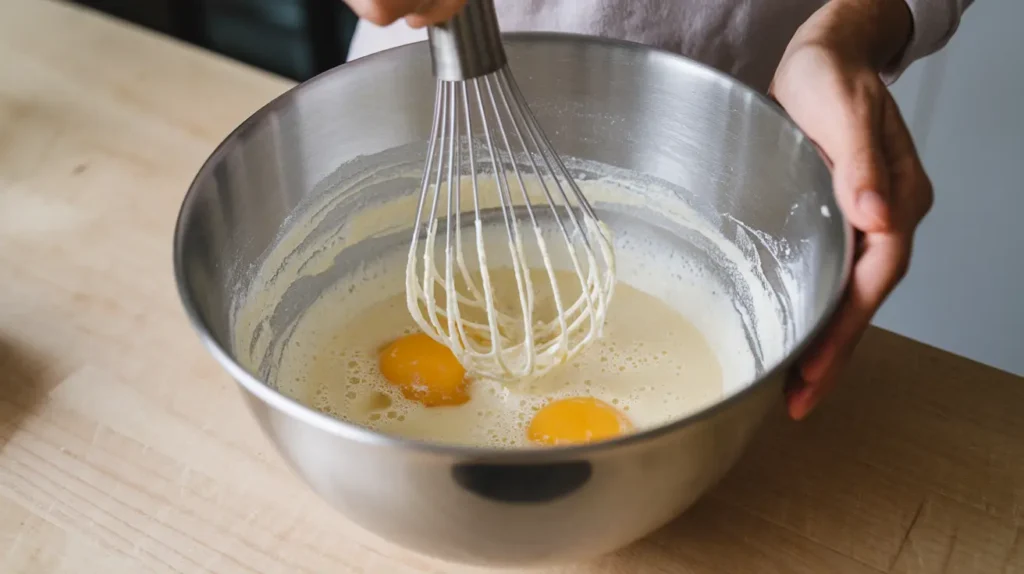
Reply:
x=965 y=290
x=293 y=38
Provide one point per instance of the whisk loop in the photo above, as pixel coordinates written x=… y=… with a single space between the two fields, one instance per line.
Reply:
x=485 y=138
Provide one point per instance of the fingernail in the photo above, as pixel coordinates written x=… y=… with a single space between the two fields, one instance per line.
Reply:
x=871 y=203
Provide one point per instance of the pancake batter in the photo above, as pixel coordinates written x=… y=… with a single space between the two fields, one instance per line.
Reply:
x=652 y=365
x=678 y=336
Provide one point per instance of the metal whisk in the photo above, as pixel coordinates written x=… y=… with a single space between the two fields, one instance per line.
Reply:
x=529 y=217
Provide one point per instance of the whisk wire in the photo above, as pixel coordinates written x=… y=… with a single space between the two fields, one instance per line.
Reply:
x=523 y=284
x=452 y=303
x=482 y=132
x=538 y=233
x=412 y=291
x=429 y=271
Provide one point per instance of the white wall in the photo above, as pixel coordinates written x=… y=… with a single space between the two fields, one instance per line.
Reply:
x=965 y=106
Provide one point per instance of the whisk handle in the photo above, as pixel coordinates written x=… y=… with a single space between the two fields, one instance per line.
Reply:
x=468 y=45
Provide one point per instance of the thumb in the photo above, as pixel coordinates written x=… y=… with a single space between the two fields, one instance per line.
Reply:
x=861 y=181
x=860 y=176
x=843 y=115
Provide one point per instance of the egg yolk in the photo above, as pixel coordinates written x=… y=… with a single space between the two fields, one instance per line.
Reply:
x=577 y=420
x=426 y=371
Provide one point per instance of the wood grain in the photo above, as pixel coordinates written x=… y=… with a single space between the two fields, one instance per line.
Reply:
x=124 y=448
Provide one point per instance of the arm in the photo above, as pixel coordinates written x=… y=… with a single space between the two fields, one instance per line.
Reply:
x=889 y=34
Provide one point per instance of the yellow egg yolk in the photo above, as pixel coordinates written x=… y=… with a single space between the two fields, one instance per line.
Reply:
x=577 y=420
x=426 y=371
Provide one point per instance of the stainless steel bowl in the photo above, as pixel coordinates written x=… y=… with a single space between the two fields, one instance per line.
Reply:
x=730 y=153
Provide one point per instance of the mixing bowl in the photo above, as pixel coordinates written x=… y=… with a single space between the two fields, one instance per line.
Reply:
x=714 y=146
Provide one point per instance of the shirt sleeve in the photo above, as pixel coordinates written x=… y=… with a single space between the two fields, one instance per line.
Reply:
x=935 y=21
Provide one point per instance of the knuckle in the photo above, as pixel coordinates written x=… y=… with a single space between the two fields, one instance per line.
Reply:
x=927 y=195
x=902 y=267
x=376 y=12
x=917 y=194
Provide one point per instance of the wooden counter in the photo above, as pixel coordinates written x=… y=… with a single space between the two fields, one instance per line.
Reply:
x=125 y=449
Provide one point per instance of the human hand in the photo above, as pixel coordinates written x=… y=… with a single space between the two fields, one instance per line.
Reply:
x=828 y=81
x=417 y=13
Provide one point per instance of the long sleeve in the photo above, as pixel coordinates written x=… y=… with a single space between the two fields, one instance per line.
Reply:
x=745 y=38
x=935 y=21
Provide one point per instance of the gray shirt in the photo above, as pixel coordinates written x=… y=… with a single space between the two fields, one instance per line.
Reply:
x=744 y=38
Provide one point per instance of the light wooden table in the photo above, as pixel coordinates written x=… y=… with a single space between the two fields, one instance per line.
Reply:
x=124 y=448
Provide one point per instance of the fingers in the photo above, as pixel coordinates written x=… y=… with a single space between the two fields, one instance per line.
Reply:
x=883 y=263
x=382 y=12
x=879 y=183
x=434 y=12
x=418 y=13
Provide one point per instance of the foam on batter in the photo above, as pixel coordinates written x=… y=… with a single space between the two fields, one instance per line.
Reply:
x=651 y=364
x=676 y=340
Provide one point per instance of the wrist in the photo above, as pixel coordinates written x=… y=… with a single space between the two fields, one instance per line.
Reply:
x=873 y=32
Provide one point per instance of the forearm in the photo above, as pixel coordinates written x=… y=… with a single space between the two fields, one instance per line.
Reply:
x=889 y=35
x=875 y=32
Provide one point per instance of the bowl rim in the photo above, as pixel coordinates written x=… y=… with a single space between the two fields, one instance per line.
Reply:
x=351 y=431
